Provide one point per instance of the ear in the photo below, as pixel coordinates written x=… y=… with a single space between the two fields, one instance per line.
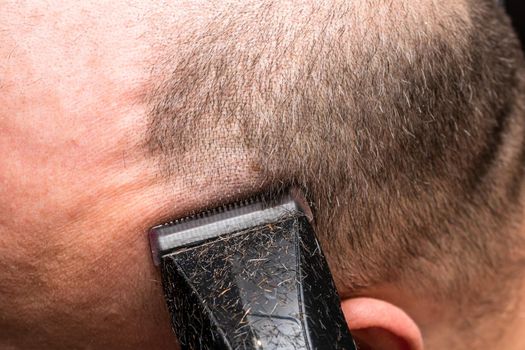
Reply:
x=379 y=325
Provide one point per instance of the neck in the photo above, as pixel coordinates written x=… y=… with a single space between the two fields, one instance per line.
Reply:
x=497 y=324
x=512 y=330
x=514 y=339
x=504 y=328
x=504 y=325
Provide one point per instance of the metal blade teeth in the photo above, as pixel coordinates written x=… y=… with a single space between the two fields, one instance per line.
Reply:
x=218 y=210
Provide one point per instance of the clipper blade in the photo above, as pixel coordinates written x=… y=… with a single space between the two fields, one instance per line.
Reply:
x=224 y=220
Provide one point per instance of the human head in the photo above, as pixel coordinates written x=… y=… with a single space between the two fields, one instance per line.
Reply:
x=401 y=121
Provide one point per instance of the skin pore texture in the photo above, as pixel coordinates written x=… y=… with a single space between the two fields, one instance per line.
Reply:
x=94 y=153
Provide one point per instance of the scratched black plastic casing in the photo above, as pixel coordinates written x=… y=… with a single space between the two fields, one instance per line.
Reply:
x=268 y=287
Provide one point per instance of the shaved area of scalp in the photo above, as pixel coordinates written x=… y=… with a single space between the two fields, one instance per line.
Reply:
x=402 y=122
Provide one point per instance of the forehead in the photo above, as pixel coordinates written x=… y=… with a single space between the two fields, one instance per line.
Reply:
x=76 y=186
x=73 y=114
x=66 y=66
x=70 y=90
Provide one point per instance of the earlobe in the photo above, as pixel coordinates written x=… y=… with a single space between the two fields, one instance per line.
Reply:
x=379 y=325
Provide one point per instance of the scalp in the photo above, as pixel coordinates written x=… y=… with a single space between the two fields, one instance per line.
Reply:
x=402 y=123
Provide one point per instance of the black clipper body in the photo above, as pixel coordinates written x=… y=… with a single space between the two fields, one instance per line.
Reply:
x=260 y=282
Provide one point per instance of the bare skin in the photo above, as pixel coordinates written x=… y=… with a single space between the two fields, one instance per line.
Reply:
x=78 y=190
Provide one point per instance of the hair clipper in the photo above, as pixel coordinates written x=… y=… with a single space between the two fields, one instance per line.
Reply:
x=250 y=275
